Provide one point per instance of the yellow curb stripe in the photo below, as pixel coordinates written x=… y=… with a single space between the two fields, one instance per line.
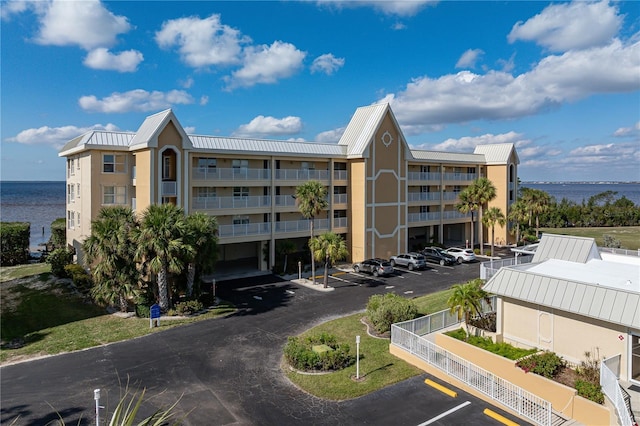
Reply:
x=498 y=417
x=337 y=273
x=441 y=388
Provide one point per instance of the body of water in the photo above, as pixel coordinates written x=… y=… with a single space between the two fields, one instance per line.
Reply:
x=578 y=192
x=39 y=203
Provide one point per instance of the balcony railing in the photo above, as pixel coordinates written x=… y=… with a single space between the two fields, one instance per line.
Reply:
x=339 y=198
x=340 y=222
x=450 y=196
x=238 y=174
x=209 y=203
x=301 y=225
x=285 y=201
x=423 y=196
x=423 y=217
x=424 y=176
x=460 y=176
x=169 y=189
x=340 y=175
x=244 y=229
x=301 y=174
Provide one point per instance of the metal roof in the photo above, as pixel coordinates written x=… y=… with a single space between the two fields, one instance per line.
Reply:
x=448 y=157
x=265 y=146
x=360 y=130
x=498 y=153
x=566 y=247
x=559 y=284
x=150 y=127
x=98 y=139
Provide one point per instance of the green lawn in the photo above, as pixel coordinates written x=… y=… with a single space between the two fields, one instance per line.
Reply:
x=378 y=368
x=629 y=236
x=43 y=317
x=8 y=273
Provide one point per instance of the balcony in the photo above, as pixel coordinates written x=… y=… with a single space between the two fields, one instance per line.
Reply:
x=340 y=222
x=339 y=199
x=423 y=196
x=237 y=174
x=423 y=217
x=244 y=229
x=424 y=176
x=169 y=189
x=211 y=203
x=462 y=177
x=450 y=196
x=340 y=175
x=302 y=225
x=285 y=201
x=302 y=174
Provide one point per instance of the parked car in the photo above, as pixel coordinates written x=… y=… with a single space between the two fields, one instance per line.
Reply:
x=409 y=260
x=376 y=267
x=461 y=254
x=438 y=255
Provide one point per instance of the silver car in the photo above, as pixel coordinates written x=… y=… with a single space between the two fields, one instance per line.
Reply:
x=462 y=255
x=409 y=260
x=376 y=267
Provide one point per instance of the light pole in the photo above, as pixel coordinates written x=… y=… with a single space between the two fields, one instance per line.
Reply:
x=96 y=397
x=357 y=357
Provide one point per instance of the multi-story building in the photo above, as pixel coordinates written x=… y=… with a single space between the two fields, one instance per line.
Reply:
x=384 y=197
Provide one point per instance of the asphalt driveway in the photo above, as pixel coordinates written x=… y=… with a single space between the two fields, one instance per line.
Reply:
x=226 y=371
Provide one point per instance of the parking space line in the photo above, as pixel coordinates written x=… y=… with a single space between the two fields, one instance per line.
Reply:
x=498 y=417
x=445 y=414
x=441 y=388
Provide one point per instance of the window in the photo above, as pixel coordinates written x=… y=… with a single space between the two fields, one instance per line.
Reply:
x=114 y=163
x=166 y=167
x=471 y=170
x=240 y=191
x=71 y=219
x=207 y=164
x=113 y=195
x=70 y=167
x=78 y=191
x=70 y=193
x=205 y=192
x=240 y=166
x=78 y=219
x=457 y=189
x=308 y=166
x=240 y=220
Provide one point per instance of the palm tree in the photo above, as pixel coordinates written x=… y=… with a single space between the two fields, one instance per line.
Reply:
x=494 y=215
x=518 y=214
x=311 y=198
x=329 y=247
x=466 y=300
x=201 y=236
x=109 y=253
x=467 y=205
x=161 y=245
x=538 y=202
x=285 y=248
x=482 y=191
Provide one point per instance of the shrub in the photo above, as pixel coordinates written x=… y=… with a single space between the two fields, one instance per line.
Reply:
x=187 y=307
x=384 y=310
x=545 y=364
x=58 y=233
x=81 y=279
x=143 y=311
x=503 y=349
x=59 y=258
x=14 y=243
x=300 y=354
x=591 y=391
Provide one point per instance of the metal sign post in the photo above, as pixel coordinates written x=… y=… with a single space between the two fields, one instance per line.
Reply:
x=357 y=357
x=154 y=315
x=96 y=397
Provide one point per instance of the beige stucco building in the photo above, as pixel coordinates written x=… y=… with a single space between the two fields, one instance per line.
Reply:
x=384 y=197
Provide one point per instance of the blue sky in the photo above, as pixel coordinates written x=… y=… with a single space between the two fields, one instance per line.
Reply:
x=561 y=80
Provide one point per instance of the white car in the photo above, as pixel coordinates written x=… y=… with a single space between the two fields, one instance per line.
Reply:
x=462 y=255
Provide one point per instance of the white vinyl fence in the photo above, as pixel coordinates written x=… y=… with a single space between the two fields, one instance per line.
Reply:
x=406 y=335
x=609 y=370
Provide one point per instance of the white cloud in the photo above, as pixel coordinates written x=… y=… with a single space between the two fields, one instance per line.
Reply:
x=327 y=64
x=135 y=100
x=190 y=130
x=388 y=7
x=102 y=59
x=267 y=64
x=202 y=42
x=469 y=58
x=468 y=143
x=13 y=7
x=55 y=136
x=466 y=96
x=330 y=135
x=262 y=126
x=86 y=23
x=576 y=25
x=204 y=99
x=628 y=131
